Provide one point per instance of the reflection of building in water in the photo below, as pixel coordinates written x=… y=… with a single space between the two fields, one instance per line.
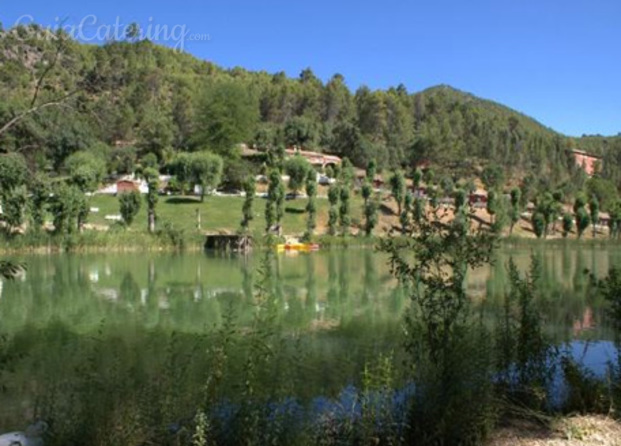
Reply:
x=93 y=276
x=108 y=293
x=585 y=324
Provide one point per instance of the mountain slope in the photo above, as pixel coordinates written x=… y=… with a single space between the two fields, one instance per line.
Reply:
x=150 y=97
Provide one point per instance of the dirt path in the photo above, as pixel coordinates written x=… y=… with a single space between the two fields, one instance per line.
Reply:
x=575 y=431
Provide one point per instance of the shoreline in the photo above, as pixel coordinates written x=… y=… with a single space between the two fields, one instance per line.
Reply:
x=136 y=242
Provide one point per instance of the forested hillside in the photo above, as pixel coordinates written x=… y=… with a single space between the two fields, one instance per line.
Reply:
x=125 y=99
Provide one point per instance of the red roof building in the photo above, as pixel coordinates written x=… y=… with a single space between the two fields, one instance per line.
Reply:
x=124 y=186
x=589 y=162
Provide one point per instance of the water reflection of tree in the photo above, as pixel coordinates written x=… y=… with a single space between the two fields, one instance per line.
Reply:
x=345 y=305
x=333 y=294
x=312 y=307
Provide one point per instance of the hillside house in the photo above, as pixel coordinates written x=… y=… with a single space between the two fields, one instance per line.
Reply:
x=590 y=163
x=125 y=186
x=316 y=159
x=478 y=199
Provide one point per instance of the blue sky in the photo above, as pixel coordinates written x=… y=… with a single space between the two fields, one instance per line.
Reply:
x=558 y=61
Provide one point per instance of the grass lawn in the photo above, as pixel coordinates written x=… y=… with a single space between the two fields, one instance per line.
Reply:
x=217 y=213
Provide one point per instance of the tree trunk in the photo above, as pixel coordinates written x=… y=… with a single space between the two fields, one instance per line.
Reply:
x=151 y=220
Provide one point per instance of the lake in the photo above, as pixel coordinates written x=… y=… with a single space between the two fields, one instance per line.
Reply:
x=141 y=324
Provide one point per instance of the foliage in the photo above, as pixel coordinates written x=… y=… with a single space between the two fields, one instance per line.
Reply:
x=370 y=216
x=397 y=187
x=275 y=200
x=152 y=178
x=13 y=208
x=311 y=206
x=227 y=114
x=492 y=177
x=248 y=216
x=582 y=221
x=594 y=213
x=333 y=214
x=129 y=206
x=203 y=169
x=406 y=215
x=297 y=168
x=604 y=191
x=441 y=337
x=539 y=224
x=568 y=224
x=13 y=172
x=206 y=169
x=67 y=206
x=526 y=356
x=40 y=189
x=85 y=169
x=516 y=210
x=344 y=210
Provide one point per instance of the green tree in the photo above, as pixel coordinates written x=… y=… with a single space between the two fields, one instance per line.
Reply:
x=297 y=168
x=539 y=224
x=369 y=206
x=333 y=213
x=248 y=216
x=582 y=221
x=227 y=115
x=417 y=177
x=275 y=200
x=206 y=171
x=615 y=220
x=151 y=176
x=68 y=207
x=492 y=177
x=129 y=206
x=371 y=170
x=40 y=190
x=460 y=200
x=370 y=217
x=13 y=207
x=493 y=204
x=181 y=167
x=344 y=210
x=346 y=174
x=155 y=133
x=594 y=213
x=548 y=208
x=568 y=224
x=428 y=177
x=516 y=207
x=580 y=202
x=406 y=215
x=447 y=185
x=397 y=187
x=13 y=172
x=419 y=211
x=132 y=32
x=86 y=170
x=311 y=206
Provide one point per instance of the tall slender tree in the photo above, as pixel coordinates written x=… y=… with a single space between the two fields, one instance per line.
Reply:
x=311 y=206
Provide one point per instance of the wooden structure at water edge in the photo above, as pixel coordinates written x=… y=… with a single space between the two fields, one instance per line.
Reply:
x=228 y=242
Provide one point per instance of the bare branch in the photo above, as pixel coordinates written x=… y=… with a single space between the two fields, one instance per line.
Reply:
x=35 y=109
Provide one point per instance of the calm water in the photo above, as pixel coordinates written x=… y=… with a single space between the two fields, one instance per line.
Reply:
x=342 y=307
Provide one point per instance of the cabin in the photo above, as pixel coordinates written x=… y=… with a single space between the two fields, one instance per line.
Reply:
x=125 y=186
x=316 y=159
x=419 y=192
x=604 y=219
x=588 y=162
x=478 y=199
